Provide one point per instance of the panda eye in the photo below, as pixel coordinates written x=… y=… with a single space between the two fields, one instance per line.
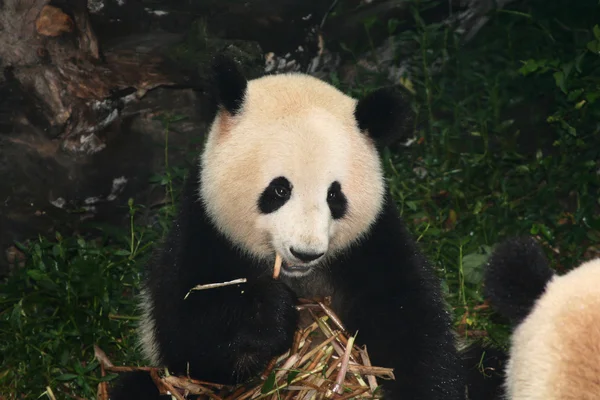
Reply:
x=331 y=195
x=281 y=192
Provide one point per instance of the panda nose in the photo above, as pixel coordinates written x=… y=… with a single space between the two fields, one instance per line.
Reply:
x=304 y=256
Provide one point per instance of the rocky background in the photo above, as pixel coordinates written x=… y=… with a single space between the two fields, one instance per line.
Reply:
x=87 y=87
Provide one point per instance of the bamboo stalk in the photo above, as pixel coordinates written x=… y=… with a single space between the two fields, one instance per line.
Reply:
x=337 y=388
x=277 y=267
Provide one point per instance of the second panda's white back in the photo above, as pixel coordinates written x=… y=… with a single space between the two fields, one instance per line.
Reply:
x=555 y=351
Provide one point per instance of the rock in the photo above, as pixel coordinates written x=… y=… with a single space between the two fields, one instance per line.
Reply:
x=52 y=183
x=53 y=22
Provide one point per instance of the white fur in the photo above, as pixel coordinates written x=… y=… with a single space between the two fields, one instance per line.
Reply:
x=555 y=351
x=301 y=128
x=147 y=329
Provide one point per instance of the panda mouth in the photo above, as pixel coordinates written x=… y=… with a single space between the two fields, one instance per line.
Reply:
x=289 y=269
x=294 y=267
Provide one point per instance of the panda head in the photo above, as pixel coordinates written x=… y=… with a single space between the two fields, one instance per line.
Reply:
x=291 y=165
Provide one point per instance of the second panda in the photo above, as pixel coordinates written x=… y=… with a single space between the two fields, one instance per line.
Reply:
x=555 y=345
x=291 y=166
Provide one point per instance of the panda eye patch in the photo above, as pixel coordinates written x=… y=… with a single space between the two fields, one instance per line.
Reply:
x=275 y=195
x=338 y=204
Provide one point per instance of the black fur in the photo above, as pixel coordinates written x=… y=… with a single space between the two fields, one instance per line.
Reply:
x=484 y=366
x=230 y=84
x=143 y=384
x=516 y=276
x=385 y=115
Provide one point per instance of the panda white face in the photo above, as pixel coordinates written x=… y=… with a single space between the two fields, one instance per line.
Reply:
x=291 y=173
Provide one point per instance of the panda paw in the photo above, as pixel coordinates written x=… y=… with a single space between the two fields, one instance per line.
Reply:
x=268 y=327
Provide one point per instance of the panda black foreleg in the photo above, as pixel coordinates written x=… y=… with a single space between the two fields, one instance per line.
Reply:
x=411 y=336
x=389 y=293
x=224 y=335
x=230 y=334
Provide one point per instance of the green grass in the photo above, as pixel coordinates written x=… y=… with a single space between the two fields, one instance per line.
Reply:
x=74 y=293
x=508 y=143
x=70 y=295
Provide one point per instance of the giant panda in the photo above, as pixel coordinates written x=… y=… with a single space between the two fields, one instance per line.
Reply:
x=554 y=350
x=291 y=166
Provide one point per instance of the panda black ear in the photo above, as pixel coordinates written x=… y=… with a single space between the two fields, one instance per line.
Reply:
x=385 y=115
x=230 y=83
x=516 y=275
